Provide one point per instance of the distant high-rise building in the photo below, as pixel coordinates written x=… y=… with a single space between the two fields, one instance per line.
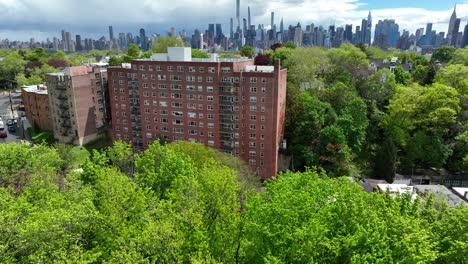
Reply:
x=111 y=33
x=122 y=41
x=465 y=36
x=455 y=33
x=231 y=29
x=143 y=40
x=272 y=20
x=219 y=33
x=79 y=47
x=451 y=28
x=249 y=22
x=64 y=41
x=238 y=13
x=386 y=34
x=348 y=34
x=68 y=40
x=368 y=29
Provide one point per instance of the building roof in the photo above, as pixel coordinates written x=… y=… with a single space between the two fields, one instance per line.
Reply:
x=452 y=198
x=461 y=191
x=38 y=89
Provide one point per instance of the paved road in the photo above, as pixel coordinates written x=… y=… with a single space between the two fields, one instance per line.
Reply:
x=5 y=113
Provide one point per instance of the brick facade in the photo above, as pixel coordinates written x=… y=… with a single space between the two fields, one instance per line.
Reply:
x=219 y=104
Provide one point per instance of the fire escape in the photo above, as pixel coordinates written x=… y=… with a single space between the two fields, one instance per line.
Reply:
x=63 y=107
x=227 y=94
x=134 y=97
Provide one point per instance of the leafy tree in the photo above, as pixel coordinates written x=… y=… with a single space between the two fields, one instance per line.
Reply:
x=402 y=76
x=443 y=54
x=262 y=59
x=460 y=56
x=247 y=51
x=385 y=161
x=420 y=74
x=11 y=65
x=162 y=43
x=115 y=61
x=59 y=55
x=289 y=45
x=349 y=64
x=133 y=51
x=281 y=53
x=276 y=46
x=306 y=64
x=374 y=52
x=196 y=53
x=57 y=63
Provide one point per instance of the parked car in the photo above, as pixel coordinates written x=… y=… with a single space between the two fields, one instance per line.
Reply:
x=3 y=134
x=2 y=125
x=10 y=122
x=12 y=128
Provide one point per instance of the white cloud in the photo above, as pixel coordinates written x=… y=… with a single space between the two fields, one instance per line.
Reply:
x=91 y=17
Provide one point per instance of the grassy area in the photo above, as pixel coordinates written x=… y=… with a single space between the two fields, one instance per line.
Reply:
x=38 y=135
x=78 y=156
x=99 y=143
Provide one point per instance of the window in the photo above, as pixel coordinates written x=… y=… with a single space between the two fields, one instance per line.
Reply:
x=190 y=78
x=263 y=90
x=262 y=118
x=162 y=95
x=253 y=89
x=177 y=122
x=263 y=80
x=148 y=127
x=177 y=105
x=200 y=97
x=200 y=106
x=176 y=96
x=201 y=69
x=142 y=68
x=200 y=115
x=200 y=88
x=191 y=97
x=164 y=120
x=253 y=99
x=191 y=106
x=253 y=108
x=190 y=88
x=144 y=76
x=192 y=115
x=200 y=79
x=253 y=79
x=145 y=94
x=209 y=98
x=209 y=89
x=210 y=125
x=158 y=68
x=177 y=113
x=263 y=99
x=180 y=68
x=178 y=130
x=252 y=153
x=210 y=134
x=192 y=123
x=148 y=135
x=253 y=126
x=202 y=124
x=253 y=117
x=210 y=107
x=164 y=112
x=164 y=129
x=225 y=69
x=262 y=137
x=163 y=104
x=150 y=68
x=170 y=68
x=210 y=143
x=209 y=79
x=192 y=132
x=162 y=86
x=161 y=77
x=252 y=162
x=146 y=102
x=253 y=135
x=154 y=94
x=177 y=87
x=252 y=144
x=263 y=109
x=211 y=69
x=210 y=116
x=175 y=78
x=191 y=69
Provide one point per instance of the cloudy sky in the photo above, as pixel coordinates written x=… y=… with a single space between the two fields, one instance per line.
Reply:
x=23 y=19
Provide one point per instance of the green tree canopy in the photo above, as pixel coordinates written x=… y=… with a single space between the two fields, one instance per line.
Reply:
x=164 y=42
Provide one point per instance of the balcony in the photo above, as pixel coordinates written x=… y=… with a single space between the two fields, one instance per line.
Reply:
x=66 y=124
x=226 y=84
x=63 y=106
x=64 y=115
x=62 y=97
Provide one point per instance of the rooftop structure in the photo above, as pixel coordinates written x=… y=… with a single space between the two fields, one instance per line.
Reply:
x=452 y=198
x=36 y=106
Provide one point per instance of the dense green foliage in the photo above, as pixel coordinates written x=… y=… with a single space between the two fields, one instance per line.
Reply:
x=349 y=120
x=185 y=203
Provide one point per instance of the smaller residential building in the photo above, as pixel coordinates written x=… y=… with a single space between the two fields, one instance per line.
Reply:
x=36 y=106
x=398 y=189
x=77 y=98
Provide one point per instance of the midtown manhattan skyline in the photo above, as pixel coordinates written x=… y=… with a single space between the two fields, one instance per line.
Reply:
x=22 y=20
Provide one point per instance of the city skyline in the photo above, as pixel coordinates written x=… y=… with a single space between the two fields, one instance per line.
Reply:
x=157 y=18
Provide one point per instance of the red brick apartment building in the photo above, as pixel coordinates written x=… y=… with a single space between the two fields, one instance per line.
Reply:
x=77 y=104
x=36 y=106
x=228 y=104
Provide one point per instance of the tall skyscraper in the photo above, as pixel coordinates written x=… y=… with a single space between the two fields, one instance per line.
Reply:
x=64 y=41
x=238 y=13
x=386 y=34
x=111 y=33
x=143 y=40
x=451 y=28
x=68 y=40
x=79 y=47
x=368 y=29
x=248 y=18
x=231 y=29
x=465 y=36
x=348 y=34
x=272 y=20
